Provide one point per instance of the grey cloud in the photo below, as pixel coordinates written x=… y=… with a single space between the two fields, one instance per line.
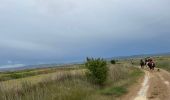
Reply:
x=73 y=29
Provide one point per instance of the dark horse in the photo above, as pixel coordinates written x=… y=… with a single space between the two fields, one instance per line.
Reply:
x=151 y=65
x=142 y=63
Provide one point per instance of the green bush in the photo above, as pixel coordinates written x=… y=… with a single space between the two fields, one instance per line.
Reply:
x=98 y=70
x=16 y=75
x=113 y=61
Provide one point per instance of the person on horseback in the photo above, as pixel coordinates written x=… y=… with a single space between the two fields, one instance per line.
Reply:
x=142 y=63
x=151 y=64
x=147 y=61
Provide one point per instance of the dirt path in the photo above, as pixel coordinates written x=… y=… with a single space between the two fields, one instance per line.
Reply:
x=159 y=86
x=154 y=86
x=142 y=94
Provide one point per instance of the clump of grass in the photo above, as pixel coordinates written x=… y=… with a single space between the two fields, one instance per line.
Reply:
x=121 y=77
x=117 y=72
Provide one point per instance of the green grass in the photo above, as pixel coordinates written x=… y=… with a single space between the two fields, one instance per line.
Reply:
x=75 y=86
x=4 y=76
x=121 y=84
x=117 y=91
x=163 y=62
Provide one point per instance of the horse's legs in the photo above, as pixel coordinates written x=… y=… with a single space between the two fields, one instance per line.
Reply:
x=142 y=66
x=153 y=67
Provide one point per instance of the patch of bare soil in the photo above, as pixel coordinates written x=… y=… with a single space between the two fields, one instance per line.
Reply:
x=159 y=86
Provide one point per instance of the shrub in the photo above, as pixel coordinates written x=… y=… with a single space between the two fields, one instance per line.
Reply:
x=98 y=70
x=16 y=76
x=113 y=61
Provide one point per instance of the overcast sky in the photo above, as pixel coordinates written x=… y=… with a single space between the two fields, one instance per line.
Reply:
x=43 y=31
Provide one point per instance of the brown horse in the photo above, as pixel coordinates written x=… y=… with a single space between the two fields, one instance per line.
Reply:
x=151 y=65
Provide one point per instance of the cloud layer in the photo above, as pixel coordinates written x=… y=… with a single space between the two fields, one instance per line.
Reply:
x=65 y=30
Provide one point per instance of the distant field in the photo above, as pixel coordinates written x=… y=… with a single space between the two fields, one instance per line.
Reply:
x=9 y=75
x=68 y=84
x=163 y=62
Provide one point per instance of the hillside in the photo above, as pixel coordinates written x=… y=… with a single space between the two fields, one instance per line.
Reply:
x=68 y=84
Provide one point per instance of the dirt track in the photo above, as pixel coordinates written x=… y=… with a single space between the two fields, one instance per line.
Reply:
x=155 y=85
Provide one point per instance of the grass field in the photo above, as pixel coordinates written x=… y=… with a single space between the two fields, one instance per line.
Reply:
x=68 y=84
x=163 y=62
x=4 y=76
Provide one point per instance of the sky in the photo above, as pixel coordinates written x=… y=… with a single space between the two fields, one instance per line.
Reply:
x=56 y=31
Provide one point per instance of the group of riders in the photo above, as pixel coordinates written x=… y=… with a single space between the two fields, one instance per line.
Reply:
x=148 y=62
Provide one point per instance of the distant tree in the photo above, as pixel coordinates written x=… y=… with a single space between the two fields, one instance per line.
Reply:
x=97 y=70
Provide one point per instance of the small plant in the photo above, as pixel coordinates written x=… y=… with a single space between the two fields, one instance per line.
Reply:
x=98 y=70
x=113 y=61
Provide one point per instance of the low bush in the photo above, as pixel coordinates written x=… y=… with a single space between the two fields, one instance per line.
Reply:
x=97 y=70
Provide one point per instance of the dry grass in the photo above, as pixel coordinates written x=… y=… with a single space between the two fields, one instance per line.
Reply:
x=69 y=85
x=4 y=76
x=163 y=62
x=39 y=78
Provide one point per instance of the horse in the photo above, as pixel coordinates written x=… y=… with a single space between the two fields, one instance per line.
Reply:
x=151 y=65
x=146 y=62
x=142 y=63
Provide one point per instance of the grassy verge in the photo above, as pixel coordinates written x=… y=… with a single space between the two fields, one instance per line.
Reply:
x=120 y=87
x=73 y=85
x=163 y=62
